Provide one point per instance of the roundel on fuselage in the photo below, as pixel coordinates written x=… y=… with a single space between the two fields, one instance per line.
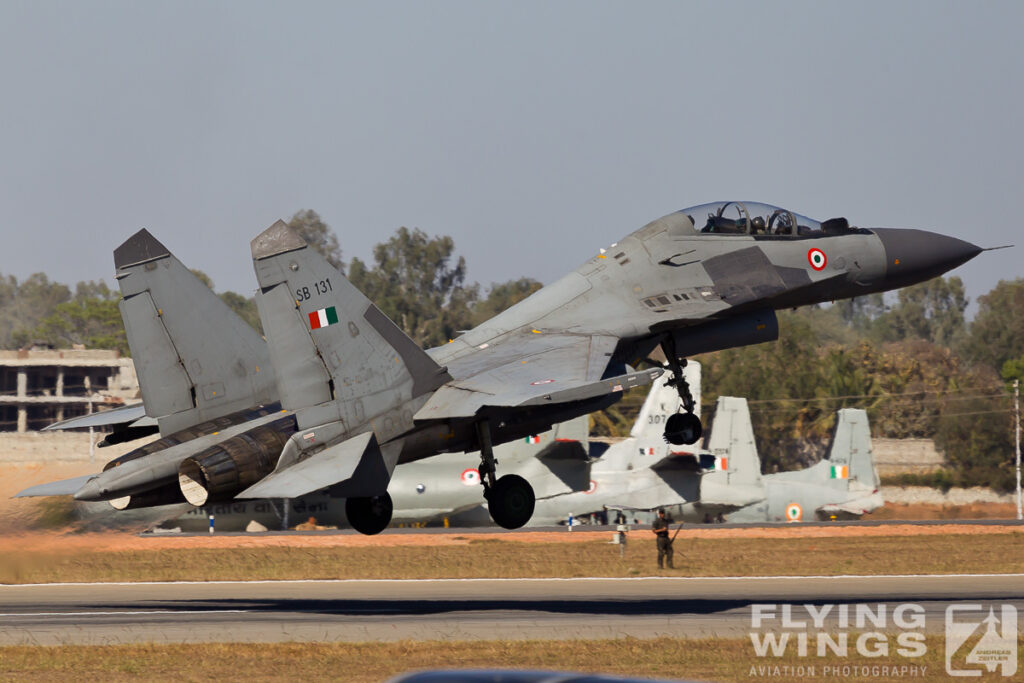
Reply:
x=794 y=513
x=816 y=257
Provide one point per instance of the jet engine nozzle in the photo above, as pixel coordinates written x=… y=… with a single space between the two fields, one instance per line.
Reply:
x=222 y=471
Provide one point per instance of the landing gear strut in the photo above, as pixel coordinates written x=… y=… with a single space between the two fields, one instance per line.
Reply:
x=510 y=499
x=682 y=428
x=369 y=514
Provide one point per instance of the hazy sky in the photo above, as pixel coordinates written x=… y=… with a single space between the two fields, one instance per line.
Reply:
x=531 y=132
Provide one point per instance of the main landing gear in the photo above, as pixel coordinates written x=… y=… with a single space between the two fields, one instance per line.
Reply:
x=369 y=514
x=681 y=428
x=510 y=499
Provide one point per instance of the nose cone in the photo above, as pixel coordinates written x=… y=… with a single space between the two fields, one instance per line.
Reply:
x=914 y=256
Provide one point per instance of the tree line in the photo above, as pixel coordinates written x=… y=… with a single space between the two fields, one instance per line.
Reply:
x=910 y=359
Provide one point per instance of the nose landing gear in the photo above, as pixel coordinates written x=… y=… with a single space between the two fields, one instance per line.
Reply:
x=682 y=428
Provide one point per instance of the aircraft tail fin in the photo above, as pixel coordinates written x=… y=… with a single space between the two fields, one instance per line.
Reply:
x=328 y=342
x=195 y=358
x=850 y=457
x=732 y=444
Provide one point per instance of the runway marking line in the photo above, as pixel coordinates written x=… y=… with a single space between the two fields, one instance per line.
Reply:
x=281 y=582
x=126 y=613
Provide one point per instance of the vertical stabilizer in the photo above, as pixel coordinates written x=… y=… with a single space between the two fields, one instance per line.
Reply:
x=732 y=444
x=195 y=358
x=850 y=457
x=330 y=344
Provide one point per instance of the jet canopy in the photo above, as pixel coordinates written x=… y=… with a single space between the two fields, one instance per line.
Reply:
x=754 y=218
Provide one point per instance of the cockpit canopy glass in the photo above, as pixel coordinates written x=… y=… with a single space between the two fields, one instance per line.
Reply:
x=750 y=218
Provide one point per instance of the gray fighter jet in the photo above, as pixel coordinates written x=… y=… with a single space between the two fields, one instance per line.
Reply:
x=363 y=397
x=844 y=485
x=728 y=482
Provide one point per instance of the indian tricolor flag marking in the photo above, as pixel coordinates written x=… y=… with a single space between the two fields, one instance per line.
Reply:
x=323 y=318
x=840 y=472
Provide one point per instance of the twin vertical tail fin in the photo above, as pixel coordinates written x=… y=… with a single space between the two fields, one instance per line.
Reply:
x=196 y=359
x=329 y=344
x=732 y=444
x=850 y=457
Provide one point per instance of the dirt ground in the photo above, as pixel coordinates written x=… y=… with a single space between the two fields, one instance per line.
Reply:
x=19 y=528
x=111 y=541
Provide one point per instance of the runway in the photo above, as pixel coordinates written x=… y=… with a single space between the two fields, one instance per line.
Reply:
x=400 y=531
x=456 y=609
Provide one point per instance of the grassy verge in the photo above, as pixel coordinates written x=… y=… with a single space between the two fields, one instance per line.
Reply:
x=934 y=554
x=711 y=659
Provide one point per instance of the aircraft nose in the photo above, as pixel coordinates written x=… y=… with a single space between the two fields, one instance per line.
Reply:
x=917 y=255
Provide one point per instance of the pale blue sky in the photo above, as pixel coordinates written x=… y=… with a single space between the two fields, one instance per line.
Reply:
x=532 y=132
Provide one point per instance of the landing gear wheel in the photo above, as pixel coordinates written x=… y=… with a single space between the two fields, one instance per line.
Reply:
x=511 y=501
x=369 y=515
x=683 y=429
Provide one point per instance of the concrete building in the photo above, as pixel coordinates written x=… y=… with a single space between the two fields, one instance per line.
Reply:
x=38 y=387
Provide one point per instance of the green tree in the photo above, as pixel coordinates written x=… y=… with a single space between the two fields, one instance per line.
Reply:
x=91 y=318
x=997 y=333
x=318 y=235
x=976 y=436
x=860 y=312
x=203 y=277
x=932 y=310
x=245 y=307
x=24 y=305
x=414 y=282
x=502 y=296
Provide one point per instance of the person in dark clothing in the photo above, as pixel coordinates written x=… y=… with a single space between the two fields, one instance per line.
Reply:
x=660 y=529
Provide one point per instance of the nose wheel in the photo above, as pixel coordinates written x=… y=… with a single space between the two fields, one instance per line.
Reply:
x=369 y=514
x=682 y=428
x=510 y=499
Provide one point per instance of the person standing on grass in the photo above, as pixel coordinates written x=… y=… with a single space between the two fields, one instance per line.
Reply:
x=660 y=529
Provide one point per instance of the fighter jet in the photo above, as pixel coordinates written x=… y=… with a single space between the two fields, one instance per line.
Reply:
x=844 y=485
x=725 y=480
x=363 y=397
x=706 y=278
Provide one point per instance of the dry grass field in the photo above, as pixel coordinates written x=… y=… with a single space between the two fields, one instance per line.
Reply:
x=46 y=558
x=710 y=659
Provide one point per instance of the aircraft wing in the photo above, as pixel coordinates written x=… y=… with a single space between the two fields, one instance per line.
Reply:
x=856 y=507
x=134 y=413
x=65 y=487
x=530 y=369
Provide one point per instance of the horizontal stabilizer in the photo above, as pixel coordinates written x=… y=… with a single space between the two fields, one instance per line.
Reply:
x=65 y=487
x=679 y=461
x=356 y=466
x=321 y=470
x=570 y=451
x=135 y=413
